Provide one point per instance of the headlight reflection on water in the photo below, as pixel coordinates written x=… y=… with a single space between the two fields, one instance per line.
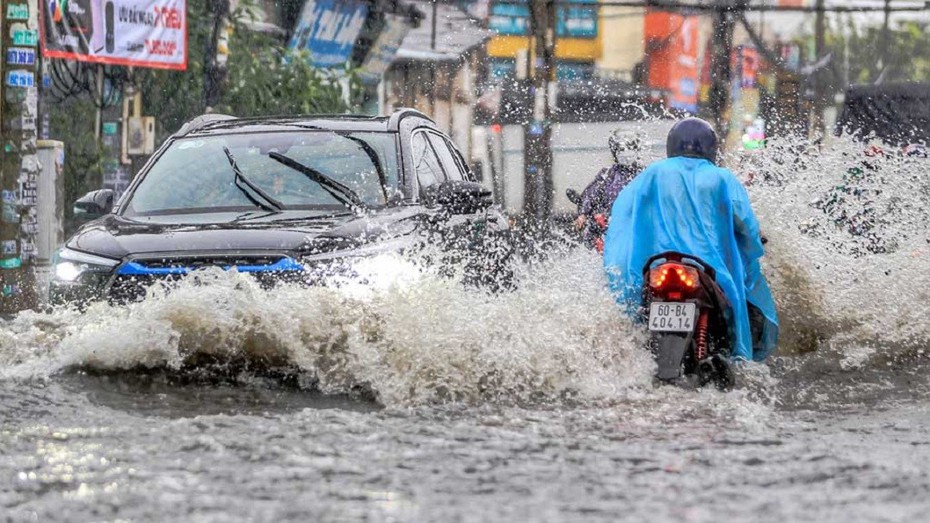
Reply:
x=361 y=276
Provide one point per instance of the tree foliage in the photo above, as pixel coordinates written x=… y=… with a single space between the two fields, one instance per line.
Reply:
x=263 y=78
x=859 y=51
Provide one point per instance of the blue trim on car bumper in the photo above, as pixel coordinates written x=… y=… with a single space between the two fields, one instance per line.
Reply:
x=133 y=268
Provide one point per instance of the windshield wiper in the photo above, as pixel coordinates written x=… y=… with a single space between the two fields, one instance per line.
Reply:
x=270 y=204
x=372 y=155
x=346 y=196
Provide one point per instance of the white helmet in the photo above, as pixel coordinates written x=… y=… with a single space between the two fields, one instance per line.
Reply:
x=626 y=146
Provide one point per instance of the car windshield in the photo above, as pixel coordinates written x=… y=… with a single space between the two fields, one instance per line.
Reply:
x=194 y=174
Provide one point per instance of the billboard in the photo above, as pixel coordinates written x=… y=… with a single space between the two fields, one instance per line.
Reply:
x=139 y=33
x=673 y=56
x=385 y=47
x=328 y=29
x=573 y=21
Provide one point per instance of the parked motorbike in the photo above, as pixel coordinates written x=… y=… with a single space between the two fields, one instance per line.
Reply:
x=684 y=309
x=595 y=226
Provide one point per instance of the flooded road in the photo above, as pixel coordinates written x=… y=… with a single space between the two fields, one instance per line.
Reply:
x=118 y=447
x=418 y=400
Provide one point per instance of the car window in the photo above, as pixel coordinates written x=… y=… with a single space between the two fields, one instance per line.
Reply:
x=425 y=161
x=446 y=157
x=194 y=173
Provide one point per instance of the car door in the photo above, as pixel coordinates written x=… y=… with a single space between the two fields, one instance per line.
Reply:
x=483 y=234
x=463 y=224
x=455 y=168
x=432 y=159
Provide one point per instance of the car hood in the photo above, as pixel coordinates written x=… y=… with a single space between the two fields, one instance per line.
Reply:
x=294 y=232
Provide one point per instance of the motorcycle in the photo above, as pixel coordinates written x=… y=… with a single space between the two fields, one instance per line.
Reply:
x=594 y=228
x=684 y=311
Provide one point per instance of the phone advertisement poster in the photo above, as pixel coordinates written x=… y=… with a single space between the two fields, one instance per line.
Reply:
x=140 y=33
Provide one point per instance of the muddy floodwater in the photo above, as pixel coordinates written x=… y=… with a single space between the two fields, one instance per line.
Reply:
x=414 y=399
x=93 y=448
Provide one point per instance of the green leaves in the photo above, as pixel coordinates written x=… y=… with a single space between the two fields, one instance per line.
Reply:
x=263 y=76
x=908 y=56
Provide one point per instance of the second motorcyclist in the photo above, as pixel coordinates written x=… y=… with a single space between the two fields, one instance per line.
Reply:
x=626 y=147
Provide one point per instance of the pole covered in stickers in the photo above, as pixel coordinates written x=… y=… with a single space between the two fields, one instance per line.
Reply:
x=19 y=165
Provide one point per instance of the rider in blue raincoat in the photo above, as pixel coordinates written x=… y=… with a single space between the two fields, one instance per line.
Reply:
x=687 y=204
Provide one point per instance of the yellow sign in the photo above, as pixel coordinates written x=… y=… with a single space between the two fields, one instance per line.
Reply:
x=565 y=48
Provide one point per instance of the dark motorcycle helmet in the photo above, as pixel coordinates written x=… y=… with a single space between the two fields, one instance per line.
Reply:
x=694 y=138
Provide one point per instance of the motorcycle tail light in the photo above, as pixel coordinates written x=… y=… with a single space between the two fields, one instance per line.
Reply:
x=673 y=277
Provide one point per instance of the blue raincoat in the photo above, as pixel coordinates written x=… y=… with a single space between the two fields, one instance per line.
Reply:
x=691 y=206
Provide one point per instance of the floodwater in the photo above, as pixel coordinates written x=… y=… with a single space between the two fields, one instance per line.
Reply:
x=418 y=400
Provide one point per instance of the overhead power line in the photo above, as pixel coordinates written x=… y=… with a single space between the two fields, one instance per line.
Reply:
x=737 y=6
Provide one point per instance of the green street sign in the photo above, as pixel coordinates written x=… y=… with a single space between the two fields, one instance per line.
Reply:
x=27 y=37
x=11 y=263
x=17 y=11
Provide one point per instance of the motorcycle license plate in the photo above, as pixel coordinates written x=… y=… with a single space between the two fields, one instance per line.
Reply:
x=671 y=317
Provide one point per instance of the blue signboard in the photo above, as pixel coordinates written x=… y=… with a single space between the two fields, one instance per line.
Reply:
x=328 y=29
x=577 y=22
x=20 y=56
x=509 y=19
x=20 y=79
x=573 y=21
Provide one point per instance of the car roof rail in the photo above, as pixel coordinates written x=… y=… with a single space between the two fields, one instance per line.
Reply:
x=404 y=112
x=202 y=121
x=207 y=120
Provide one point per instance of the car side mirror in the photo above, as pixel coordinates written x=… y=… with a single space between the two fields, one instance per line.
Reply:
x=459 y=197
x=94 y=205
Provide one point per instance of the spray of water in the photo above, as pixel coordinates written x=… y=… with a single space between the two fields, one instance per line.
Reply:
x=849 y=247
x=418 y=338
x=855 y=291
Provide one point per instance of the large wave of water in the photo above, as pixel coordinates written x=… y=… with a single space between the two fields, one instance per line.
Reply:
x=849 y=247
x=419 y=338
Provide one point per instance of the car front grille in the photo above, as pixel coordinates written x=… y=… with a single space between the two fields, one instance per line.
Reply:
x=209 y=261
x=133 y=279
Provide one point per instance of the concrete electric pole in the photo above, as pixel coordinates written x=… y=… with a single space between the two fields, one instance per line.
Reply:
x=214 y=71
x=819 y=79
x=537 y=159
x=886 y=31
x=19 y=166
x=719 y=96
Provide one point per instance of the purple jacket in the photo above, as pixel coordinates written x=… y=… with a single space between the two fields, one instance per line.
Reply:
x=598 y=197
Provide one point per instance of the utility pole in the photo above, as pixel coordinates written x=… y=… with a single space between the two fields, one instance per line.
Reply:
x=820 y=101
x=214 y=71
x=883 y=52
x=719 y=95
x=537 y=133
x=19 y=166
x=432 y=34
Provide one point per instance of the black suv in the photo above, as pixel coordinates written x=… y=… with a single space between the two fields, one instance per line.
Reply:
x=279 y=197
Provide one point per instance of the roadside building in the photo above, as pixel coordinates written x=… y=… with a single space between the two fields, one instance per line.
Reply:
x=623 y=52
x=437 y=69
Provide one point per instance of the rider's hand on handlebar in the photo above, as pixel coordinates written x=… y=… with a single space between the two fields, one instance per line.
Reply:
x=580 y=221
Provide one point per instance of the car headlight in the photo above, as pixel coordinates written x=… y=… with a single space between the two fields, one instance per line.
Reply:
x=70 y=265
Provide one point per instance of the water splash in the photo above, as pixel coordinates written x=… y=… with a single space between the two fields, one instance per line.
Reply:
x=850 y=274
x=423 y=339
x=409 y=336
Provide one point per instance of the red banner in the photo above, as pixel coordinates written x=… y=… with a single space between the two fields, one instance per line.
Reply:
x=140 y=33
